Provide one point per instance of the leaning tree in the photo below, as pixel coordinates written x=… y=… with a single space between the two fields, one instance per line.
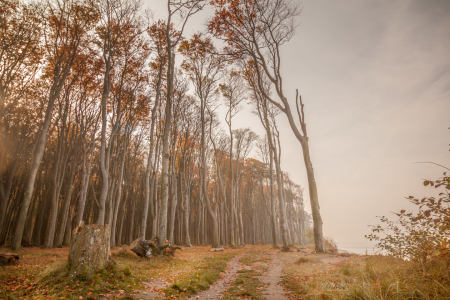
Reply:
x=254 y=31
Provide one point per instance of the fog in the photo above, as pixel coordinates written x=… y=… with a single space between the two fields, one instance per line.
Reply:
x=375 y=80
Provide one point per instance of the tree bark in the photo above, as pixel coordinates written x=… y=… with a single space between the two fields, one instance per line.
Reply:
x=119 y=193
x=144 y=248
x=89 y=249
x=67 y=198
x=165 y=149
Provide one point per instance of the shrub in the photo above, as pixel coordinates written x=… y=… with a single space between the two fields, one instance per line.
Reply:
x=331 y=245
x=420 y=236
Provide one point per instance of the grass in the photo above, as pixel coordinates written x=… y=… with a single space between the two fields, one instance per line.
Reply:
x=207 y=273
x=370 y=277
x=24 y=280
x=305 y=259
x=246 y=283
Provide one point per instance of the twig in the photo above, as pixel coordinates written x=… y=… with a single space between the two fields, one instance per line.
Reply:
x=430 y=162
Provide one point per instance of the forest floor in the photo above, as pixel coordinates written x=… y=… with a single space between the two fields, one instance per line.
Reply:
x=252 y=272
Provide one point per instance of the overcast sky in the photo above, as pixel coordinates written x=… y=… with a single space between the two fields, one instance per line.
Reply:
x=375 y=80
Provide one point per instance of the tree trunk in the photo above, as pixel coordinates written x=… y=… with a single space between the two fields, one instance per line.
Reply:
x=103 y=165
x=85 y=178
x=273 y=208
x=68 y=231
x=314 y=199
x=119 y=194
x=65 y=207
x=35 y=163
x=174 y=193
x=187 y=210
x=144 y=248
x=150 y=154
x=165 y=156
x=89 y=249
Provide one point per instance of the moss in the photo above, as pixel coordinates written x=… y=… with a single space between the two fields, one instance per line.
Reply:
x=126 y=271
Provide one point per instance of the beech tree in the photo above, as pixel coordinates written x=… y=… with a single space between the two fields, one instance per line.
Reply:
x=66 y=25
x=119 y=25
x=182 y=9
x=255 y=31
x=204 y=69
x=100 y=129
x=233 y=91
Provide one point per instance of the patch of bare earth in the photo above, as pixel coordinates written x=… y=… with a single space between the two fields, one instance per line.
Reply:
x=272 y=279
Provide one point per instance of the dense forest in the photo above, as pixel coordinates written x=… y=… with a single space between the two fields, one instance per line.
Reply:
x=109 y=115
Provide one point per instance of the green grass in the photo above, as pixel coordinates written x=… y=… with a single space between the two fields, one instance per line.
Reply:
x=207 y=273
x=23 y=280
x=245 y=285
x=54 y=282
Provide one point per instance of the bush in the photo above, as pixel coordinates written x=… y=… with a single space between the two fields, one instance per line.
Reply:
x=330 y=244
x=420 y=236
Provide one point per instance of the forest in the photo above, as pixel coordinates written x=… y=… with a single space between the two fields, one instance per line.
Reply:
x=119 y=145
x=101 y=125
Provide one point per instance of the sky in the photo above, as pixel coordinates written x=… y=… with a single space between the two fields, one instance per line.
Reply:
x=375 y=80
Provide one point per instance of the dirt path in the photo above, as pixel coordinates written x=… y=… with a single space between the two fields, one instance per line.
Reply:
x=272 y=279
x=217 y=289
x=153 y=288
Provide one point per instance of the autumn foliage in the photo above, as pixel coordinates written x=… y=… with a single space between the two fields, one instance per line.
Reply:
x=420 y=235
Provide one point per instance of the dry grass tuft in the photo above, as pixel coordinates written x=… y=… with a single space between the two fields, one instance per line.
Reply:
x=373 y=277
x=54 y=273
x=305 y=259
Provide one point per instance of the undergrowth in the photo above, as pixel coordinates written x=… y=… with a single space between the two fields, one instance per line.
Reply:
x=372 y=277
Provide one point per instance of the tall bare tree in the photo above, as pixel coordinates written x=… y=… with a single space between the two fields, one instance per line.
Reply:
x=233 y=91
x=119 y=25
x=183 y=10
x=255 y=31
x=204 y=68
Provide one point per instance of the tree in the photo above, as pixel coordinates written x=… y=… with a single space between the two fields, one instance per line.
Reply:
x=119 y=24
x=65 y=25
x=233 y=90
x=94 y=102
x=183 y=9
x=20 y=50
x=255 y=31
x=204 y=70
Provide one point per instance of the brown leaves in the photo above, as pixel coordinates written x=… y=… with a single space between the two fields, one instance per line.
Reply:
x=421 y=235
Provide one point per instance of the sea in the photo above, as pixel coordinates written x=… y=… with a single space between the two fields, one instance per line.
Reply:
x=363 y=248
